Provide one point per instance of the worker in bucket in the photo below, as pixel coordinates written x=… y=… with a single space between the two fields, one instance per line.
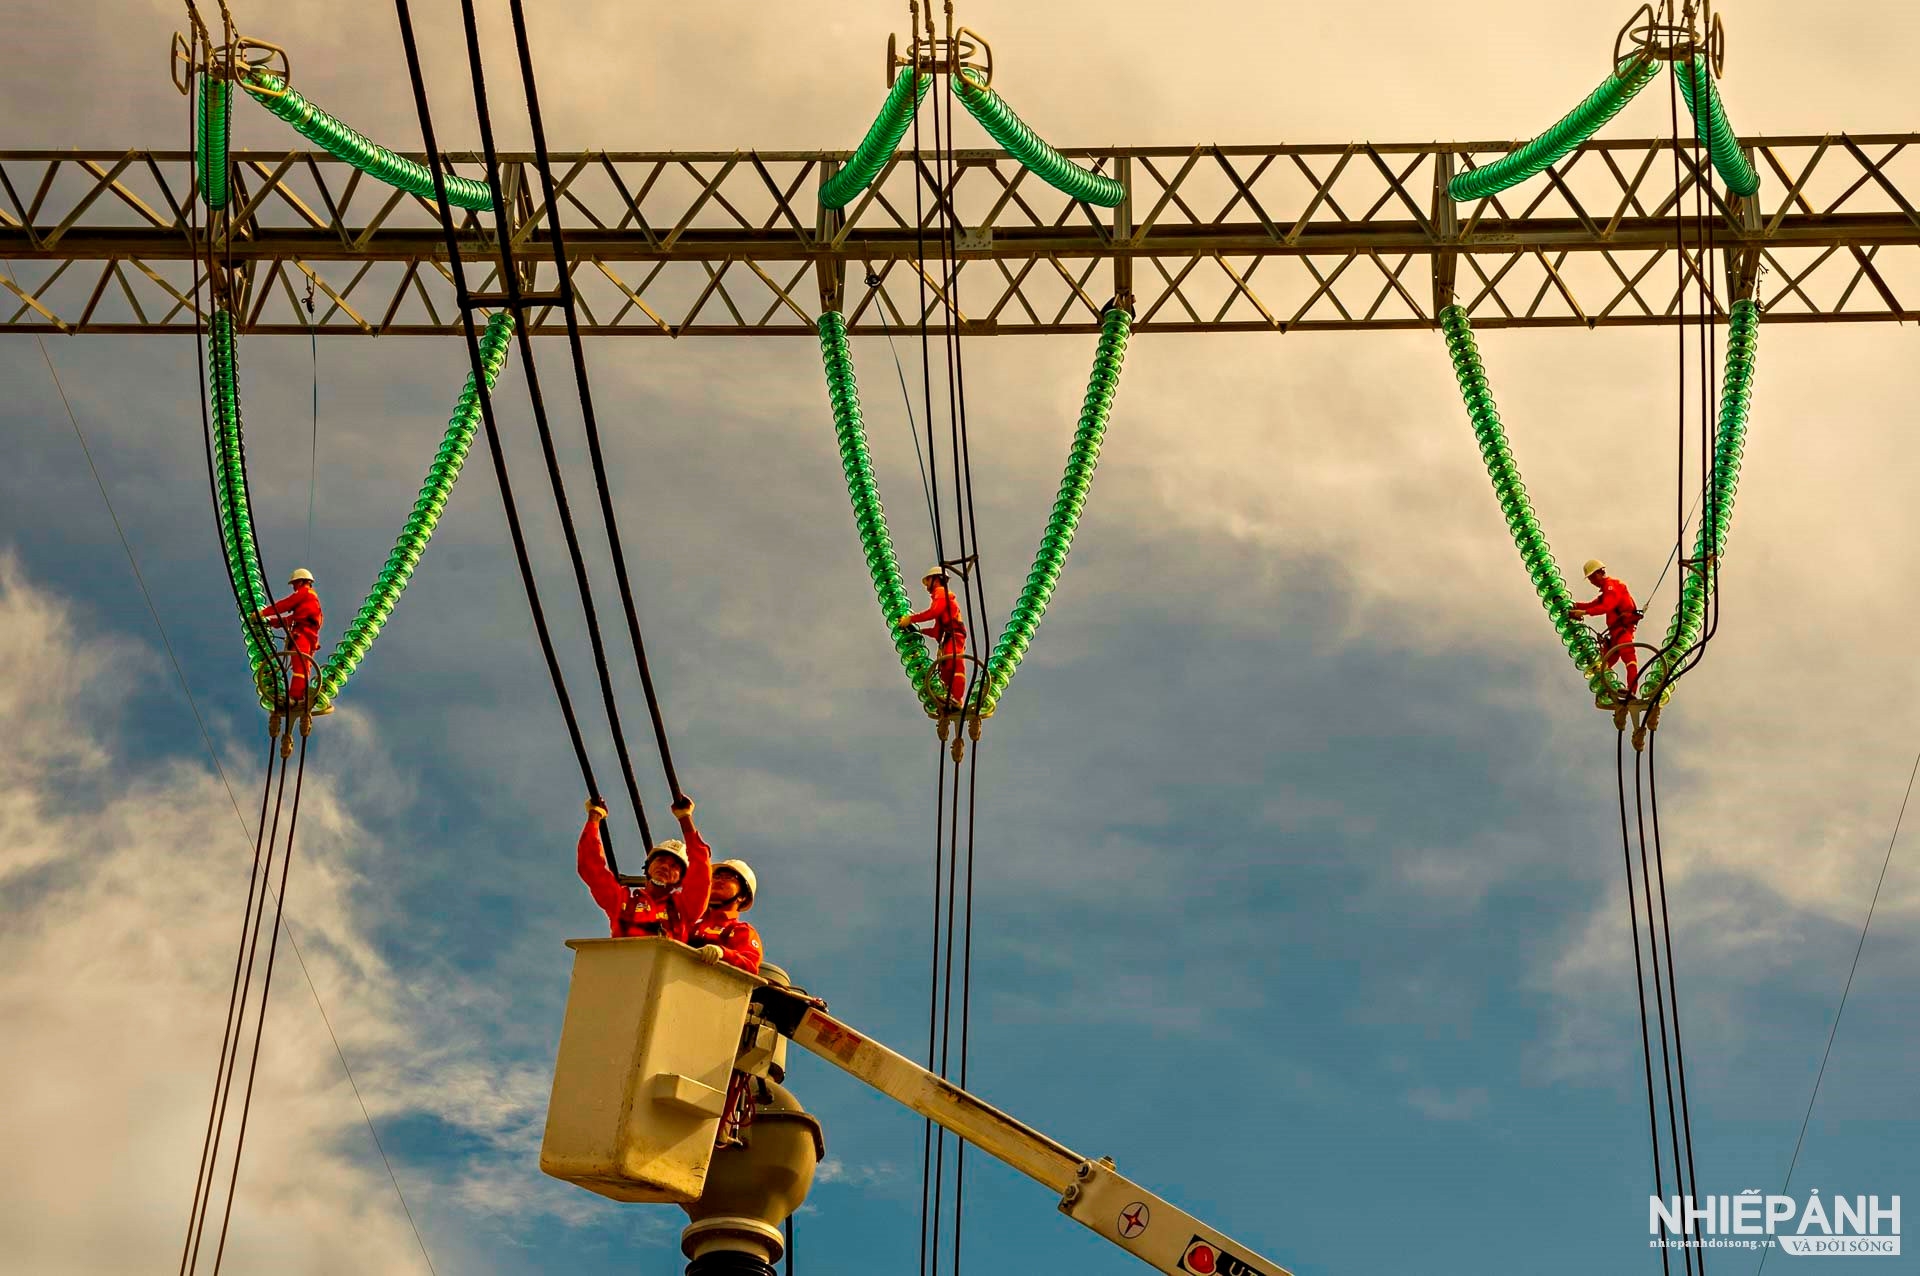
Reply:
x=721 y=935
x=1617 y=606
x=947 y=629
x=678 y=876
x=300 y=615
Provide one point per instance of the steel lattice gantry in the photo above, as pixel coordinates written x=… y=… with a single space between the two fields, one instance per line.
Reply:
x=1211 y=239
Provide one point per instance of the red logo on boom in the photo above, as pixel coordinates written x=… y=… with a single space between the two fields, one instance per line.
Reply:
x=1199 y=1259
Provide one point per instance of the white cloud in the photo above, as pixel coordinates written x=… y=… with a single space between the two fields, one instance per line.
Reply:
x=833 y=1170
x=125 y=883
x=1465 y=1104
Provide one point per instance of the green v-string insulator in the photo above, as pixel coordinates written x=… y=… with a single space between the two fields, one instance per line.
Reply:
x=877 y=147
x=1716 y=520
x=435 y=490
x=1575 y=127
x=236 y=519
x=1711 y=127
x=213 y=127
x=876 y=542
x=1537 y=556
x=234 y=514
x=1075 y=483
x=869 y=518
x=1021 y=142
x=344 y=142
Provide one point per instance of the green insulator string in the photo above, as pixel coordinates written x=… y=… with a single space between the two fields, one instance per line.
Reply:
x=877 y=147
x=1049 y=165
x=1722 y=143
x=358 y=636
x=214 y=129
x=230 y=493
x=1575 y=127
x=1095 y=409
x=869 y=518
x=1710 y=542
x=236 y=518
x=1535 y=554
x=357 y=149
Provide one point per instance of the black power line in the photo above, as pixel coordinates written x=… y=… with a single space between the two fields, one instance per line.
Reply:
x=485 y=396
x=266 y=987
x=567 y=306
x=1639 y=982
x=515 y=300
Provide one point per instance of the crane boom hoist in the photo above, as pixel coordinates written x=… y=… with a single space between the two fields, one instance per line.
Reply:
x=653 y=1037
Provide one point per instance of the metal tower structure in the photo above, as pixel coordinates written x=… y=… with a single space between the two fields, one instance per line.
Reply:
x=1283 y=238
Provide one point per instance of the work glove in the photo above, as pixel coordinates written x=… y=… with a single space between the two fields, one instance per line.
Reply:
x=711 y=954
x=682 y=807
x=596 y=809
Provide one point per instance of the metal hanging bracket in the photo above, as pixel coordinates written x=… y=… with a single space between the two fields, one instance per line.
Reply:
x=1672 y=37
x=936 y=55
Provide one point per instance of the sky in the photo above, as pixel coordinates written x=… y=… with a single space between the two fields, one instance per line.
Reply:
x=1299 y=891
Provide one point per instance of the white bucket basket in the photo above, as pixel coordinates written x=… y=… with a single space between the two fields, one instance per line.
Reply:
x=641 y=1079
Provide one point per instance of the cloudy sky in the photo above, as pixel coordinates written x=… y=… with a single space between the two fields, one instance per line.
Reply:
x=1299 y=883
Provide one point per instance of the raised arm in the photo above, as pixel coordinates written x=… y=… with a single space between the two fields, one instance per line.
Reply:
x=690 y=897
x=592 y=863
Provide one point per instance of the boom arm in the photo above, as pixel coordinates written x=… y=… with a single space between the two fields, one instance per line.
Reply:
x=1092 y=1193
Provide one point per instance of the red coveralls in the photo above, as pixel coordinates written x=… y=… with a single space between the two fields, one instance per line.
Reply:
x=649 y=909
x=741 y=945
x=300 y=615
x=1617 y=605
x=740 y=940
x=951 y=633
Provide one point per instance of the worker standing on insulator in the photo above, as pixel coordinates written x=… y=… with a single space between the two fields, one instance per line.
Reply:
x=1621 y=613
x=949 y=630
x=300 y=615
x=678 y=877
x=720 y=935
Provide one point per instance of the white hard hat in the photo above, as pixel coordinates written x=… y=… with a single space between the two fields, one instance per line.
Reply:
x=931 y=573
x=673 y=848
x=741 y=870
x=1593 y=565
x=300 y=573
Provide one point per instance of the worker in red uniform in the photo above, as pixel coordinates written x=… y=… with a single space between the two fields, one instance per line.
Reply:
x=300 y=615
x=679 y=876
x=1617 y=605
x=948 y=630
x=720 y=935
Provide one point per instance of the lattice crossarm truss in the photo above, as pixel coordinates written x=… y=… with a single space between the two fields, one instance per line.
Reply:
x=1208 y=239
